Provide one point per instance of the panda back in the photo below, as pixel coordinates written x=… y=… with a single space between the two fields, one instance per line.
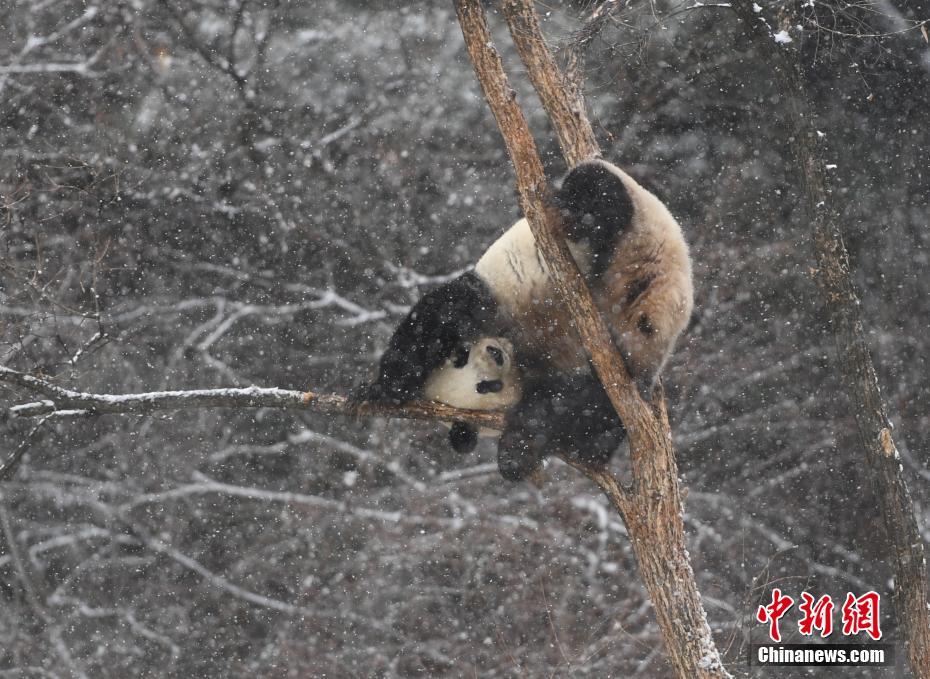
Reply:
x=530 y=309
x=641 y=278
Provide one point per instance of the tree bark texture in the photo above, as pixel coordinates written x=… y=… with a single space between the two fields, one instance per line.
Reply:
x=563 y=102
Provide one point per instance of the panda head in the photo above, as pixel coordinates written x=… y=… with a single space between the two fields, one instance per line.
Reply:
x=480 y=375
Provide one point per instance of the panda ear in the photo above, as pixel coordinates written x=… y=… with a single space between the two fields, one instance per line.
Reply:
x=460 y=356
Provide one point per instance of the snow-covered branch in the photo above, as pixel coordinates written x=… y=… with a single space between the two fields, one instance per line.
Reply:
x=70 y=403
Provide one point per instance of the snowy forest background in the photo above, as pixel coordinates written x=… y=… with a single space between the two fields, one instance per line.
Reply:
x=179 y=209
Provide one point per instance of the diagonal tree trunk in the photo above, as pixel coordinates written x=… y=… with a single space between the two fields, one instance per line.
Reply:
x=652 y=508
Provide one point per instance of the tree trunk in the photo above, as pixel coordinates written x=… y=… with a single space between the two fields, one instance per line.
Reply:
x=652 y=508
x=855 y=362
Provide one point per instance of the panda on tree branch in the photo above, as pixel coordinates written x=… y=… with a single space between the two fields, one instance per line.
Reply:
x=498 y=337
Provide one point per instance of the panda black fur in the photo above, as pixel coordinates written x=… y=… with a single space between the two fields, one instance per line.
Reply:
x=636 y=263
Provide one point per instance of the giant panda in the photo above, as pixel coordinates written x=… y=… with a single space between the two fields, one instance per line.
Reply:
x=636 y=263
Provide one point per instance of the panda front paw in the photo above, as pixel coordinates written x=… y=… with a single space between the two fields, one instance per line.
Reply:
x=463 y=437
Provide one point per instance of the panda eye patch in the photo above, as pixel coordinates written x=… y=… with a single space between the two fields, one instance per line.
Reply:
x=489 y=386
x=496 y=354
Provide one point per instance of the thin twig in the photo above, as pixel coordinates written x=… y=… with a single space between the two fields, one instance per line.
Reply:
x=9 y=466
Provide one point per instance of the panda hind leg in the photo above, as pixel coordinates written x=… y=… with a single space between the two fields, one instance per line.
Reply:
x=589 y=428
x=526 y=438
x=572 y=416
x=596 y=208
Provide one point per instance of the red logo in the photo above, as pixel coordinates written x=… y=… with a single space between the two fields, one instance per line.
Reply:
x=860 y=614
x=774 y=612
x=817 y=616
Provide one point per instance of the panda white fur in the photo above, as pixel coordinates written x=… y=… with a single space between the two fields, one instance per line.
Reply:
x=636 y=263
x=478 y=376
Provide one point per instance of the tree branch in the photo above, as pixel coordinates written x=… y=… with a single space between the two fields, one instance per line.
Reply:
x=544 y=219
x=77 y=403
x=563 y=101
x=581 y=39
x=210 y=54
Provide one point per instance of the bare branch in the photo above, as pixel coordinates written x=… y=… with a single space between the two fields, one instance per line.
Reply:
x=34 y=42
x=545 y=220
x=77 y=403
x=82 y=68
x=224 y=64
x=11 y=463
x=582 y=38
